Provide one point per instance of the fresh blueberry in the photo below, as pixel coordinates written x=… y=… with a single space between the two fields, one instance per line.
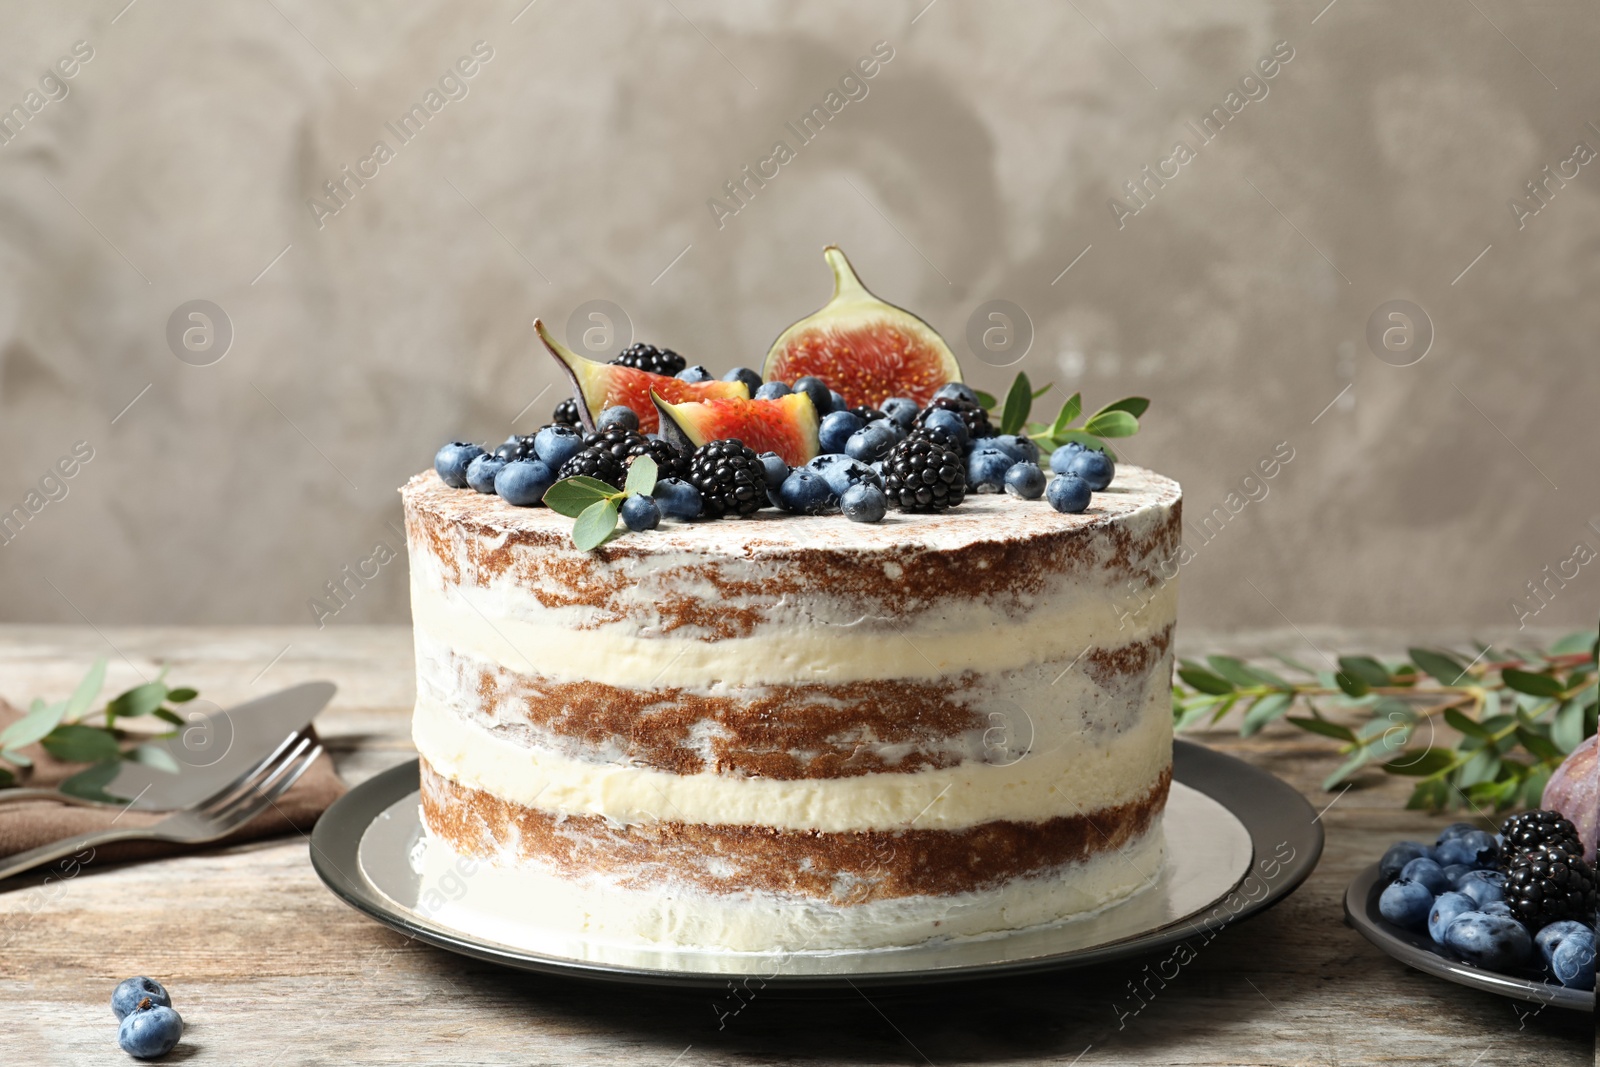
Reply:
x=871 y=443
x=482 y=471
x=806 y=492
x=776 y=470
x=1406 y=903
x=618 y=417
x=1401 y=853
x=451 y=462
x=1457 y=871
x=1025 y=480
x=1493 y=941
x=849 y=472
x=1446 y=906
x=1094 y=467
x=838 y=401
x=556 y=444
x=948 y=421
x=1572 y=962
x=1020 y=449
x=1474 y=848
x=901 y=411
x=1424 y=870
x=1455 y=829
x=150 y=1033
x=751 y=380
x=836 y=428
x=1485 y=887
x=957 y=391
x=696 y=373
x=817 y=390
x=640 y=513
x=1061 y=459
x=677 y=499
x=1545 y=940
x=524 y=482
x=1068 y=493
x=130 y=991
x=773 y=391
x=864 y=503
x=986 y=469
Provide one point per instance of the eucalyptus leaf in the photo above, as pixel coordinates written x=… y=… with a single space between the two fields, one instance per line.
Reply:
x=641 y=476
x=136 y=702
x=1264 y=711
x=598 y=522
x=90 y=784
x=1465 y=723
x=1069 y=414
x=17 y=758
x=1043 y=389
x=1351 y=685
x=1567 y=731
x=1133 y=405
x=1482 y=766
x=572 y=496
x=1019 y=401
x=77 y=743
x=1240 y=673
x=7 y=778
x=182 y=695
x=1533 y=787
x=1348 y=768
x=168 y=715
x=34 y=725
x=1442 y=666
x=1539 y=685
x=1323 y=727
x=153 y=756
x=1429 y=761
x=986 y=401
x=1366 y=668
x=1430 y=795
x=89 y=688
x=1576 y=642
x=1200 y=678
x=1539 y=745
x=1112 y=424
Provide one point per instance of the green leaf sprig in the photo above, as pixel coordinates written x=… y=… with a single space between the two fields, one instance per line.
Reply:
x=1119 y=419
x=595 y=504
x=1517 y=714
x=62 y=728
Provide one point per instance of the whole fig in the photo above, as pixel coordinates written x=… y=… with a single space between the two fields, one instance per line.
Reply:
x=1574 y=791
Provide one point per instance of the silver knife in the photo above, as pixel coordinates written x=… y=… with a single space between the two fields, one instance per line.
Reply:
x=206 y=753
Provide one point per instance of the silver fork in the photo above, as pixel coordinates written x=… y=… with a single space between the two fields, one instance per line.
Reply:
x=213 y=818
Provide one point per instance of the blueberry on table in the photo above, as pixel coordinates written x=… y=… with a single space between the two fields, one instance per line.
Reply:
x=1427 y=872
x=864 y=503
x=1406 y=903
x=1025 y=480
x=1068 y=493
x=451 y=462
x=130 y=991
x=836 y=428
x=640 y=513
x=150 y=1031
x=986 y=469
x=1401 y=853
x=1497 y=942
x=1094 y=467
x=1446 y=908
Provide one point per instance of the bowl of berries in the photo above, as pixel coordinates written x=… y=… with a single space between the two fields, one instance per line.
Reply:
x=1511 y=912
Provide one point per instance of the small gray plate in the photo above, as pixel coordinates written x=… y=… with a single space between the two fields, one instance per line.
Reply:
x=1418 y=950
x=1238 y=840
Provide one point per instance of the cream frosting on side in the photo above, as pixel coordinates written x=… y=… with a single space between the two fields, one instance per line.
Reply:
x=538 y=910
x=1065 y=771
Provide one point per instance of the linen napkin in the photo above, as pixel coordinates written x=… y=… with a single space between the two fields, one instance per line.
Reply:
x=26 y=824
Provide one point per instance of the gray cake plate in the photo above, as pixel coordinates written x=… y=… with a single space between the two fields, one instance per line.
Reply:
x=1418 y=950
x=1238 y=841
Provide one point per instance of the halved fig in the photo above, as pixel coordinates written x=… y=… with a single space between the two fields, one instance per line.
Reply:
x=597 y=386
x=787 y=426
x=861 y=346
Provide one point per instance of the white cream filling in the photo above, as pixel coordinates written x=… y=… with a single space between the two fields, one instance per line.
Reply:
x=540 y=911
x=1066 y=771
x=475 y=622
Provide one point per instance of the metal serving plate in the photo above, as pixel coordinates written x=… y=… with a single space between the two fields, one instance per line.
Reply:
x=1238 y=840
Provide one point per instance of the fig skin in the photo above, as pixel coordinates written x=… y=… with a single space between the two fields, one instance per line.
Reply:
x=1574 y=791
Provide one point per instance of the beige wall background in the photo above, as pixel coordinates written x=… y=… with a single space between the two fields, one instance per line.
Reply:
x=1381 y=164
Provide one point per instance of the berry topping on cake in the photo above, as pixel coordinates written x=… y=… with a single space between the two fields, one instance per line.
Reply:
x=618 y=417
x=640 y=513
x=451 y=462
x=641 y=356
x=1068 y=493
x=599 y=463
x=566 y=413
x=974 y=419
x=787 y=426
x=923 y=474
x=1545 y=886
x=864 y=503
x=671 y=462
x=618 y=441
x=730 y=477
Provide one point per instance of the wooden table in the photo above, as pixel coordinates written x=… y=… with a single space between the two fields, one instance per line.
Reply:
x=268 y=968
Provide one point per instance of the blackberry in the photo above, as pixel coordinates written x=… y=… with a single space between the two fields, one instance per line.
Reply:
x=616 y=440
x=641 y=356
x=595 y=463
x=935 y=435
x=1538 y=829
x=867 y=414
x=516 y=448
x=923 y=473
x=670 y=462
x=566 y=413
x=730 y=477
x=1544 y=886
x=971 y=413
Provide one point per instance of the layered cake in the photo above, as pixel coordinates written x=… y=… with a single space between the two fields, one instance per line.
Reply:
x=800 y=733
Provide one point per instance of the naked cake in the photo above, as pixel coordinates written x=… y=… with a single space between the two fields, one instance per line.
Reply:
x=800 y=733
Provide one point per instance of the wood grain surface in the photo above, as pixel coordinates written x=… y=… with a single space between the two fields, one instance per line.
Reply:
x=268 y=968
